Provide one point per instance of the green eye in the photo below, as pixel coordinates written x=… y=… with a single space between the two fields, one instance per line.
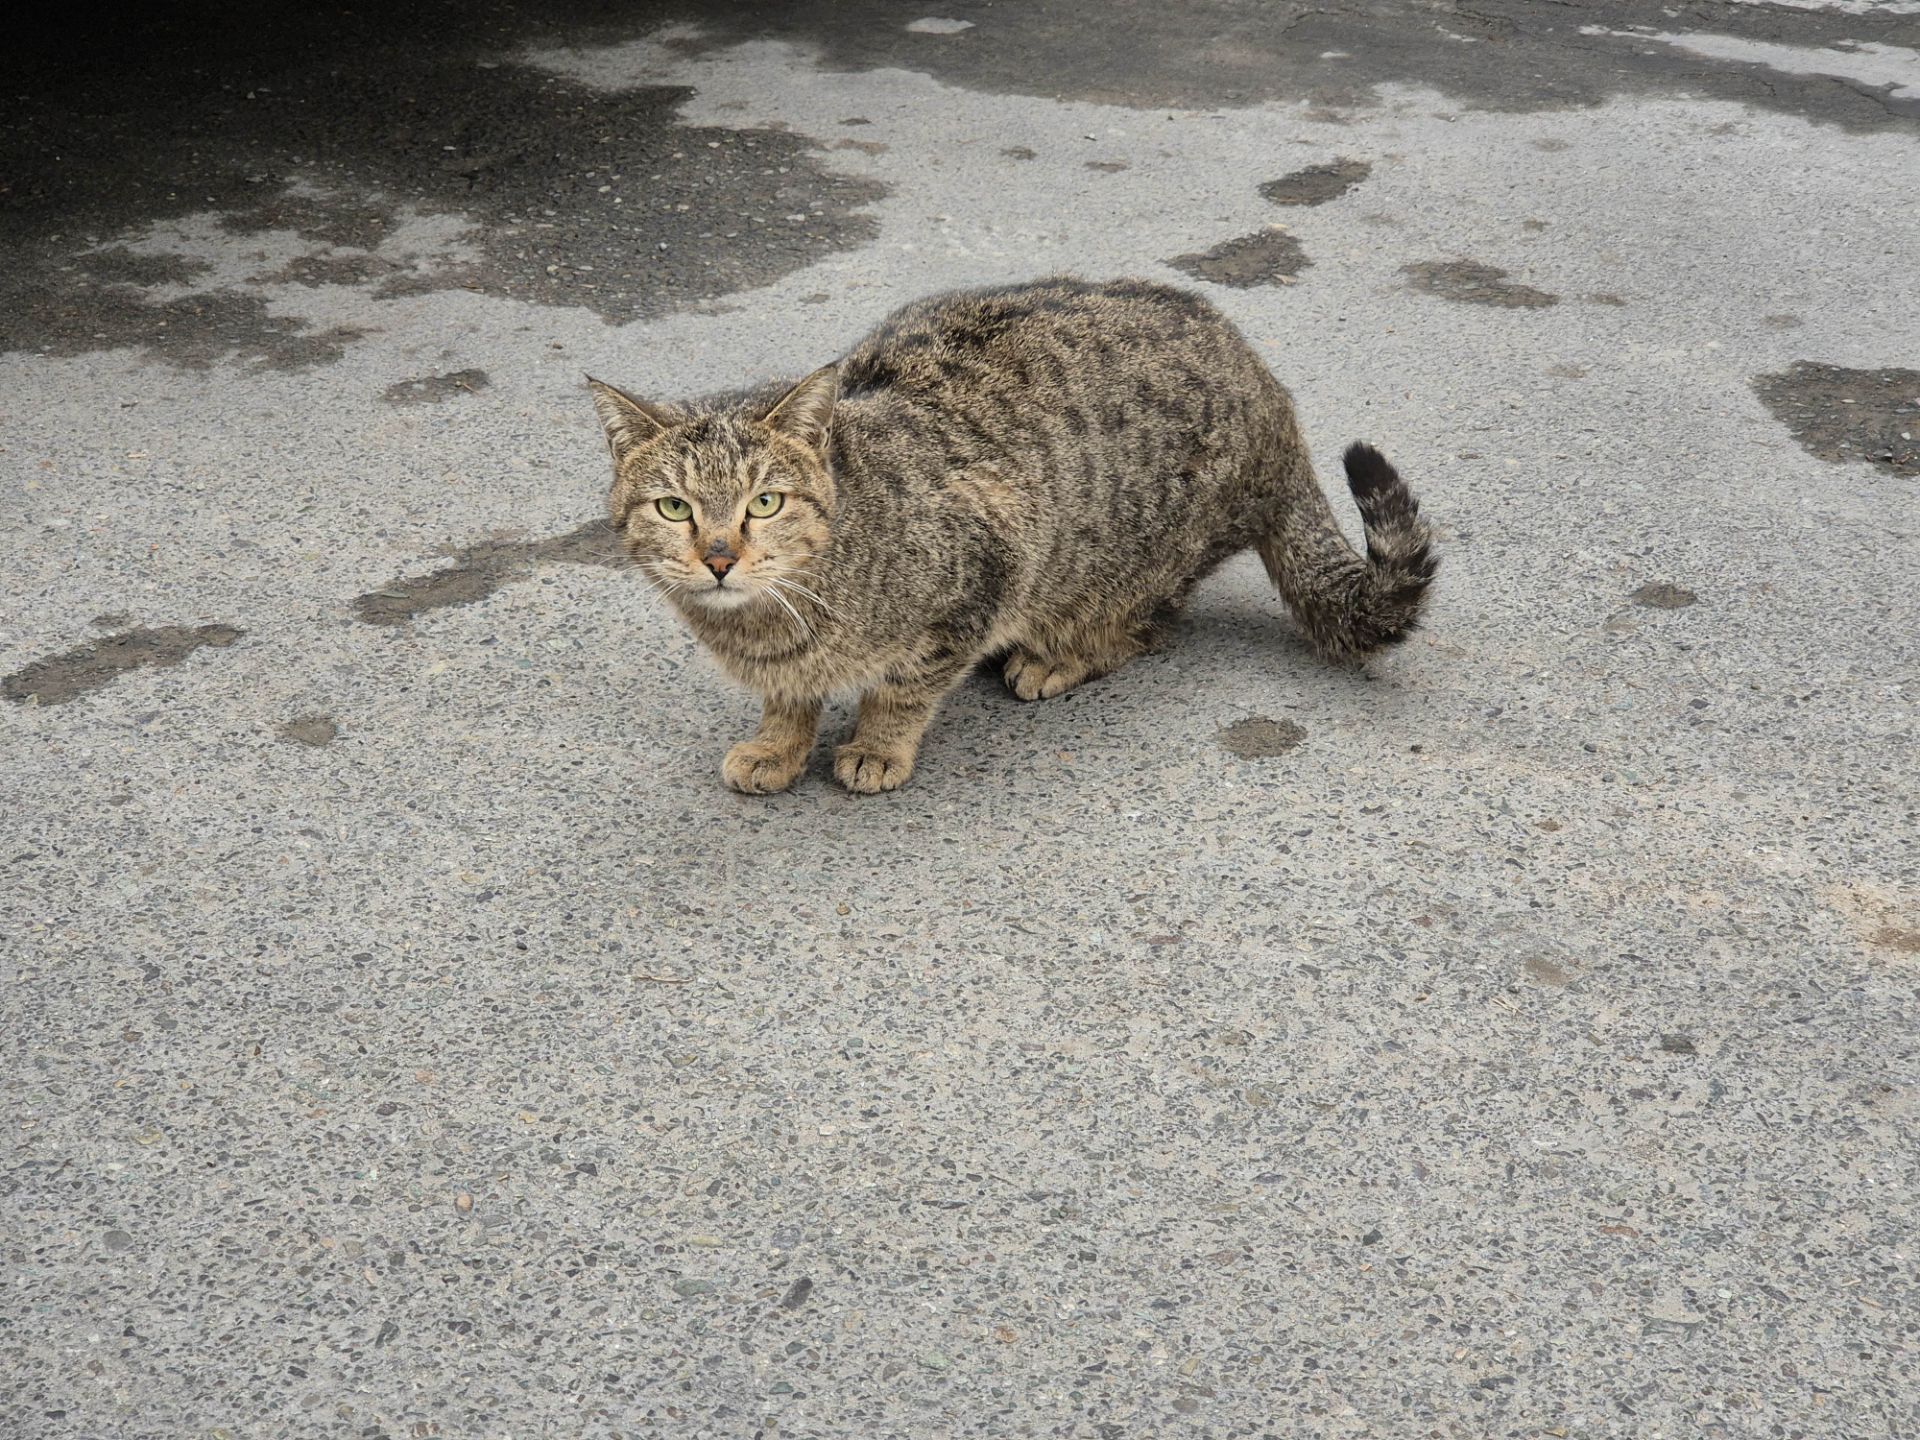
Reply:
x=672 y=507
x=761 y=506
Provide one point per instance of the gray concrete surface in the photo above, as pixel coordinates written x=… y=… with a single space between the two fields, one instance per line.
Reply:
x=407 y=1035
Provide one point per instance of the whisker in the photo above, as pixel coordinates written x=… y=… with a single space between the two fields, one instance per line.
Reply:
x=776 y=582
x=785 y=604
x=797 y=588
x=785 y=578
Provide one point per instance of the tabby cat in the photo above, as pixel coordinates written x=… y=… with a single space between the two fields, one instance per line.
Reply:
x=1038 y=474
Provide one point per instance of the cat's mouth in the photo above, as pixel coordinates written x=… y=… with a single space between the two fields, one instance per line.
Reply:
x=724 y=595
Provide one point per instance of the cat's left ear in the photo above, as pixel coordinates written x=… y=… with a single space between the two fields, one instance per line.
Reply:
x=805 y=412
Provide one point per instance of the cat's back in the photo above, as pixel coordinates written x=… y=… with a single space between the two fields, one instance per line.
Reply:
x=1053 y=335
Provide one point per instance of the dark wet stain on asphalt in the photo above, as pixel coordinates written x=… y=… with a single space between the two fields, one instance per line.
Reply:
x=476 y=571
x=326 y=118
x=57 y=679
x=327 y=124
x=432 y=389
x=1661 y=595
x=117 y=265
x=70 y=314
x=1546 y=972
x=1259 y=738
x=314 y=271
x=1519 y=55
x=1473 y=283
x=1266 y=257
x=1317 y=184
x=315 y=731
x=1840 y=414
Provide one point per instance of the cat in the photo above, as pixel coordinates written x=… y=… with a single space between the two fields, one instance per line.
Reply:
x=1037 y=473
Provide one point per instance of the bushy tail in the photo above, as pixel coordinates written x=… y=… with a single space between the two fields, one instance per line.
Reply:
x=1348 y=604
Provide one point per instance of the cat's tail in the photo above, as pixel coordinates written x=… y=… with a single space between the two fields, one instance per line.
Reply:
x=1349 y=604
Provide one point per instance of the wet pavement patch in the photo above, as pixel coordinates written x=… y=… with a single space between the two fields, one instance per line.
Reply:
x=324 y=124
x=325 y=121
x=1660 y=595
x=79 y=317
x=67 y=676
x=1472 y=283
x=1509 y=56
x=117 y=265
x=314 y=271
x=1546 y=972
x=1266 y=257
x=322 y=119
x=317 y=731
x=477 y=571
x=1839 y=414
x=1260 y=738
x=1317 y=184
x=432 y=389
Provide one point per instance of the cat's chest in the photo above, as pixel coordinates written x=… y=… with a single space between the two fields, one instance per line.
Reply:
x=828 y=658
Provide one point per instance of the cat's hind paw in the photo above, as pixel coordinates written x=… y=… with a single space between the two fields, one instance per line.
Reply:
x=1032 y=678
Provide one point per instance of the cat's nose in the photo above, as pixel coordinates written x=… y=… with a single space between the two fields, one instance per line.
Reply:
x=719 y=563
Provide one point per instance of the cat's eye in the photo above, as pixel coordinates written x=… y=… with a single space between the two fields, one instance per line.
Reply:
x=764 y=505
x=672 y=507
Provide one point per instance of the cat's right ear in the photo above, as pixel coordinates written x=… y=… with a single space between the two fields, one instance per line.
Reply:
x=805 y=412
x=629 y=423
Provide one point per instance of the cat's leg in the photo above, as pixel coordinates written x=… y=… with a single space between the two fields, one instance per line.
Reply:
x=1055 y=665
x=773 y=759
x=893 y=717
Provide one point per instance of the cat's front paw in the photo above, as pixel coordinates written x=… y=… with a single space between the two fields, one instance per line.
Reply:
x=755 y=768
x=867 y=770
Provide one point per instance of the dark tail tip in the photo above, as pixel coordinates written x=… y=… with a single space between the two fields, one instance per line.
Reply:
x=1368 y=473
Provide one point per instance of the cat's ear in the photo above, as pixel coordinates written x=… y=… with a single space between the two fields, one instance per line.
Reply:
x=805 y=411
x=629 y=423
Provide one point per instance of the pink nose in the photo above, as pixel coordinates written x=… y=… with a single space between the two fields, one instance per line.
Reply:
x=719 y=563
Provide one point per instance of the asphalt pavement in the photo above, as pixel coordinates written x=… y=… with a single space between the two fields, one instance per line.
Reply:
x=406 y=1033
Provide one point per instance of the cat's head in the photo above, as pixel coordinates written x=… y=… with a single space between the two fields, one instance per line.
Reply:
x=719 y=510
